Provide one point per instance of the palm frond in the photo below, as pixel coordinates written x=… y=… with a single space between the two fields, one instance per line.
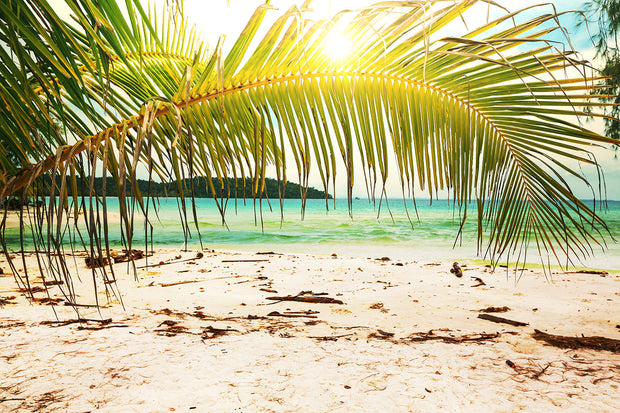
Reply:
x=488 y=115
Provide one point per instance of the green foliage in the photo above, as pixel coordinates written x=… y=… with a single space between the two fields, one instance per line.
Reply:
x=612 y=72
x=606 y=13
x=12 y=204
x=230 y=188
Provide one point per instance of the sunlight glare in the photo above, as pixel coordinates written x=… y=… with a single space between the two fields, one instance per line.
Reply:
x=337 y=45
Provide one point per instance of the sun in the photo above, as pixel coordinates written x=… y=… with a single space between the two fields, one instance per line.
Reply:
x=337 y=45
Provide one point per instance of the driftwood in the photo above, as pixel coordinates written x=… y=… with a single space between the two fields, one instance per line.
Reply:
x=102 y=327
x=593 y=272
x=171 y=329
x=331 y=338
x=7 y=300
x=253 y=260
x=76 y=320
x=494 y=310
x=293 y=314
x=467 y=338
x=307 y=299
x=209 y=332
x=12 y=324
x=197 y=314
x=384 y=335
x=12 y=399
x=310 y=292
x=478 y=281
x=96 y=262
x=593 y=342
x=179 y=283
x=94 y=320
x=255 y=317
x=126 y=256
x=198 y=256
x=503 y=320
x=47 y=300
x=35 y=289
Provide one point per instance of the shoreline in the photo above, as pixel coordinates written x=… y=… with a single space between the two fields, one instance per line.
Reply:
x=441 y=254
x=204 y=333
x=432 y=236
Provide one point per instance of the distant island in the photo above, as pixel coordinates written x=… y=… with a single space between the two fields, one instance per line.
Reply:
x=232 y=188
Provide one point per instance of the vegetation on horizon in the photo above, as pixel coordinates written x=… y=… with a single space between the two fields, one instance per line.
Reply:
x=230 y=188
x=484 y=114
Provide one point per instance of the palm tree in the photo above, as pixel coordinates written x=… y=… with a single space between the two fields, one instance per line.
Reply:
x=486 y=115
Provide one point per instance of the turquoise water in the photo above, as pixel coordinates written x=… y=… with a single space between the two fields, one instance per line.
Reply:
x=369 y=233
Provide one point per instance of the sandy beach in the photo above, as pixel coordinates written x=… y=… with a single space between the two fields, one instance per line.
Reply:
x=246 y=332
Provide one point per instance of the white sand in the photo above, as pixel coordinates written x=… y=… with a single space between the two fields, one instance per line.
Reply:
x=282 y=364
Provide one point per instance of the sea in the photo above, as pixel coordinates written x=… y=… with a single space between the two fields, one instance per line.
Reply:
x=426 y=231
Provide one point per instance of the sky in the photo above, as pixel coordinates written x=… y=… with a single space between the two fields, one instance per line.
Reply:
x=216 y=17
